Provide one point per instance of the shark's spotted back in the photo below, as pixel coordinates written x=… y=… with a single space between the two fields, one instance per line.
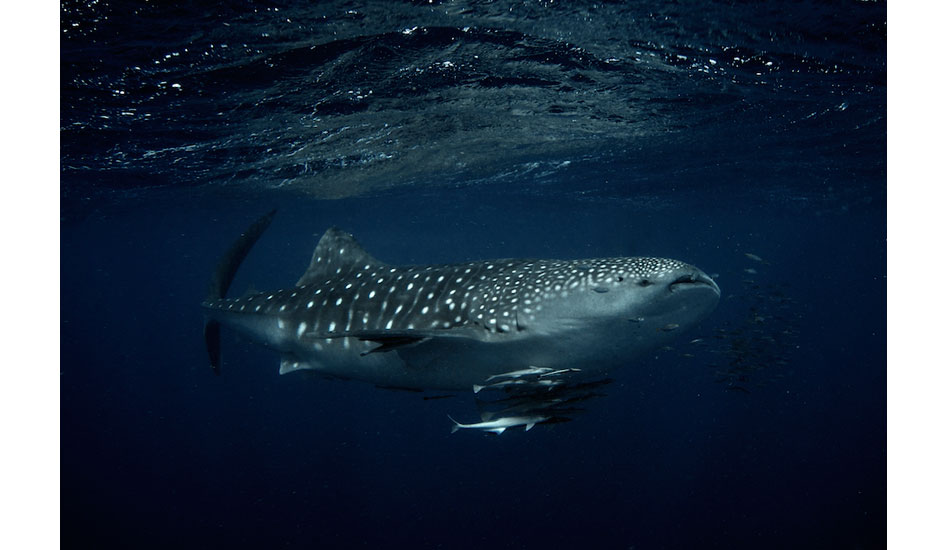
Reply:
x=345 y=290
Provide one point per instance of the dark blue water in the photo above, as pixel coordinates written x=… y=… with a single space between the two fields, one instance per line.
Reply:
x=454 y=131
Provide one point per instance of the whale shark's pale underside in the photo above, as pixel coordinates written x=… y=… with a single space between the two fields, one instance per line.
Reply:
x=537 y=330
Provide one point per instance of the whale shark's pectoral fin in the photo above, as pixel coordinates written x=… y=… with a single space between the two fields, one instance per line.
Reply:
x=390 y=343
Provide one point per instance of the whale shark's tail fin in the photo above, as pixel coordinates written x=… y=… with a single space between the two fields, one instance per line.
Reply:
x=224 y=275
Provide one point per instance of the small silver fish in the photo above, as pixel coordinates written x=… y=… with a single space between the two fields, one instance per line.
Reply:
x=519 y=373
x=558 y=372
x=499 y=425
x=753 y=257
x=518 y=382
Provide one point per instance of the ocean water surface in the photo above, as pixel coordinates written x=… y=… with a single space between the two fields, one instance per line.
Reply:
x=747 y=139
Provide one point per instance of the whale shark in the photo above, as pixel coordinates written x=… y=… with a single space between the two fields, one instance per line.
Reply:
x=459 y=326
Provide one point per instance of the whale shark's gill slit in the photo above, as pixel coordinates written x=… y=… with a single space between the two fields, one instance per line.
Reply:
x=224 y=276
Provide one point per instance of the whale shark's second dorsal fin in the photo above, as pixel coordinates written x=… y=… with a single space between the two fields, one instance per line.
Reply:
x=337 y=253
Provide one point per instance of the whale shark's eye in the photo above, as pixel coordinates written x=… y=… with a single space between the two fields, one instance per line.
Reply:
x=619 y=278
x=644 y=282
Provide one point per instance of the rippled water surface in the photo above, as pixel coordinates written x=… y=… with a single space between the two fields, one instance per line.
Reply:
x=344 y=98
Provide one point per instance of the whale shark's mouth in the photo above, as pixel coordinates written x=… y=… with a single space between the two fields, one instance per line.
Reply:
x=693 y=281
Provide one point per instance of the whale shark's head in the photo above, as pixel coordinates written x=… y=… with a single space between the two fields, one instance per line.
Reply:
x=642 y=298
x=668 y=292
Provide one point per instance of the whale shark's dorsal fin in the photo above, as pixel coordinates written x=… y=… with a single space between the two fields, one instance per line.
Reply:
x=337 y=253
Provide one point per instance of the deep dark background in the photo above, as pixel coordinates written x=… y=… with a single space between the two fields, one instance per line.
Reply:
x=158 y=452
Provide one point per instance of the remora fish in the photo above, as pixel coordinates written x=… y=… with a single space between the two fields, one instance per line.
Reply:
x=530 y=371
x=499 y=425
x=518 y=382
x=450 y=327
